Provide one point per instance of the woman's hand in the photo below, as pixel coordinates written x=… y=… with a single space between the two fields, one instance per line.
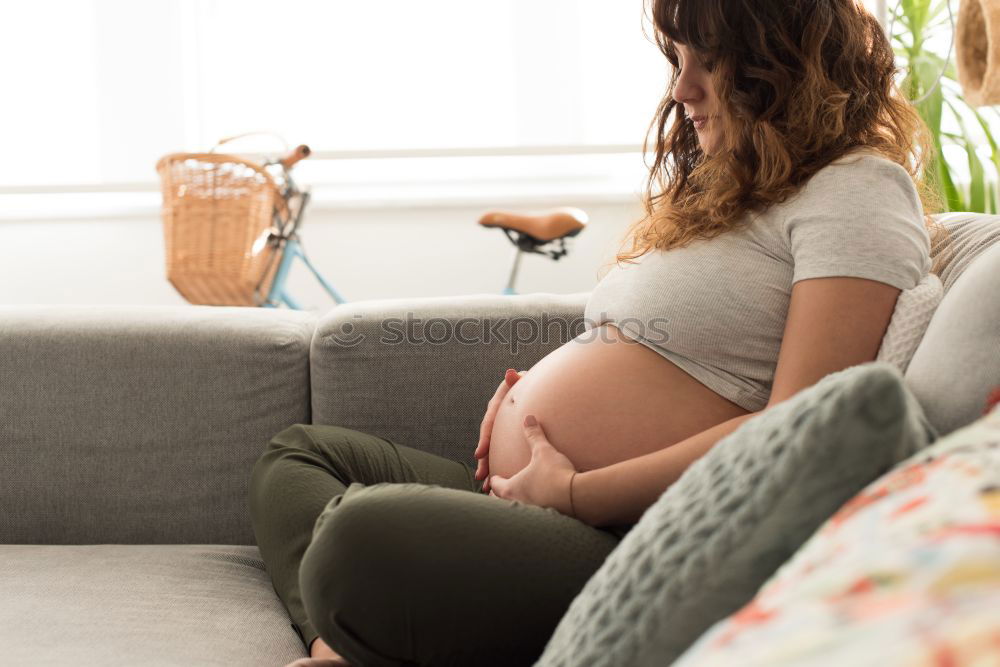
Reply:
x=545 y=481
x=486 y=428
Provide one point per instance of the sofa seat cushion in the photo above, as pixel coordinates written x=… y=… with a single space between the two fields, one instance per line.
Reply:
x=112 y=604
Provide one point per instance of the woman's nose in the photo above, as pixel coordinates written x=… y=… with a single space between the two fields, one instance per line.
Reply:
x=685 y=90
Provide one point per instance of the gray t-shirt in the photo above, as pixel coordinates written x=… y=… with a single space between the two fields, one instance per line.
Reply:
x=717 y=308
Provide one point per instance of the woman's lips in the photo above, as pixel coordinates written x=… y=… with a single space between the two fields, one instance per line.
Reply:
x=699 y=121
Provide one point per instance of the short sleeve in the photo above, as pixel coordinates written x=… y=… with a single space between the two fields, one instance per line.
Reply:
x=861 y=219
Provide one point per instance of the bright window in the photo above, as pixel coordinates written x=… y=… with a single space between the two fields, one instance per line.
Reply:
x=103 y=88
x=109 y=86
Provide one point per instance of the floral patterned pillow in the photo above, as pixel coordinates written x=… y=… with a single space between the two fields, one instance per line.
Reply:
x=905 y=573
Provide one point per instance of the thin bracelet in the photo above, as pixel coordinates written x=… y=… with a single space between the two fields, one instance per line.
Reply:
x=572 y=508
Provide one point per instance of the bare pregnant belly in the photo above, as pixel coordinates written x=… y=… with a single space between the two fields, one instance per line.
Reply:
x=603 y=398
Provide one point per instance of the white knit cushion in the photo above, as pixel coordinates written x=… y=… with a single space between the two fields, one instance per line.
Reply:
x=914 y=309
x=702 y=550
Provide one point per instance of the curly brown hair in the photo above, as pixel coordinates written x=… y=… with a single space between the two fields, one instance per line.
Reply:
x=803 y=83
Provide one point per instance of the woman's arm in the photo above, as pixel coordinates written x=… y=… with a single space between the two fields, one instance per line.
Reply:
x=620 y=493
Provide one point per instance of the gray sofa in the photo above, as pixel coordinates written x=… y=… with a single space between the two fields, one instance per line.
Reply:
x=128 y=433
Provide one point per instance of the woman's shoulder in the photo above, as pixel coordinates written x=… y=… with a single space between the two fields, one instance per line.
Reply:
x=862 y=174
x=859 y=163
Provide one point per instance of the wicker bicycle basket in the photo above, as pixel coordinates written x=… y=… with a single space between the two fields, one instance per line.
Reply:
x=217 y=211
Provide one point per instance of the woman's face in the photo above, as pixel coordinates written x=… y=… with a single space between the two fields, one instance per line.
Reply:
x=693 y=89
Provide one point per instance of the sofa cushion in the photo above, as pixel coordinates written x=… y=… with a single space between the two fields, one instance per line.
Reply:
x=905 y=573
x=141 y=424
x=736 y=514
x=969 y=235
x=99 y=605
x=958 y=358
x=421 y=371
x=913 y=312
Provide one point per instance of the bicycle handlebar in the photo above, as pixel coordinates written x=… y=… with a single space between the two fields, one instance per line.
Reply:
x=298 y=153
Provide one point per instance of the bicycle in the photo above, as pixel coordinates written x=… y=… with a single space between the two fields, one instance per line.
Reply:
x=231 y=228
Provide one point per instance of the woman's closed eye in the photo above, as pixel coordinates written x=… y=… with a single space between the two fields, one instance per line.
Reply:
x=707 y=64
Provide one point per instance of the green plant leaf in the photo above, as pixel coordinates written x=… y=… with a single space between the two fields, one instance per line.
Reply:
x=936 y=10
x=995 y=151
x=939 y=167
x=977 y=172
x=991 y=198
x=916 y=11
x=906 y=19
x=899 y=10
x=940 y=64
x=930 y=108
x=977 y=188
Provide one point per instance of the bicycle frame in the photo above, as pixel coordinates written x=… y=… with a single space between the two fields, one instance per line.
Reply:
x=278 y=294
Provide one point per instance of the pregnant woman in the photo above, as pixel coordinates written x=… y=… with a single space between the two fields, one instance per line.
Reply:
x=789 y=214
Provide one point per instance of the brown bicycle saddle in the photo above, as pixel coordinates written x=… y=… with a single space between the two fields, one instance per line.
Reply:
x=555 y=225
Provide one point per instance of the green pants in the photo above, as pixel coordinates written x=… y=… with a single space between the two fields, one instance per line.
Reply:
x=395 y=556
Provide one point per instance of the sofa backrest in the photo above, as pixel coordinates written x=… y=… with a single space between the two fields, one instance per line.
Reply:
x=141 y=424
x=420 y=371
x=957 y=362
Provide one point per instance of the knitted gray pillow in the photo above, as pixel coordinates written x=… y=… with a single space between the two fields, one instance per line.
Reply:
x=702 y=550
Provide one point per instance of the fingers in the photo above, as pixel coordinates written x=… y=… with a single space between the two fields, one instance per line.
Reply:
x=532 y=429
x=497 y=485
x=512 y=376
x=482 y=468
x=486 y=426
x=484 y=443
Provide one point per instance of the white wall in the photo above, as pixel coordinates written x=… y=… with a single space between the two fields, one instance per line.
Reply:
x=365 y=254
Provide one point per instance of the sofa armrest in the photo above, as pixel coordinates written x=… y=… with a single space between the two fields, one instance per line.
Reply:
x=420 y=371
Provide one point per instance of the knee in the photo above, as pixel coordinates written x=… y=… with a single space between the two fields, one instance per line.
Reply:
x=296 y=436
x=293 y=437
x=270 y=471
x=319 y=438
x=296 y=439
